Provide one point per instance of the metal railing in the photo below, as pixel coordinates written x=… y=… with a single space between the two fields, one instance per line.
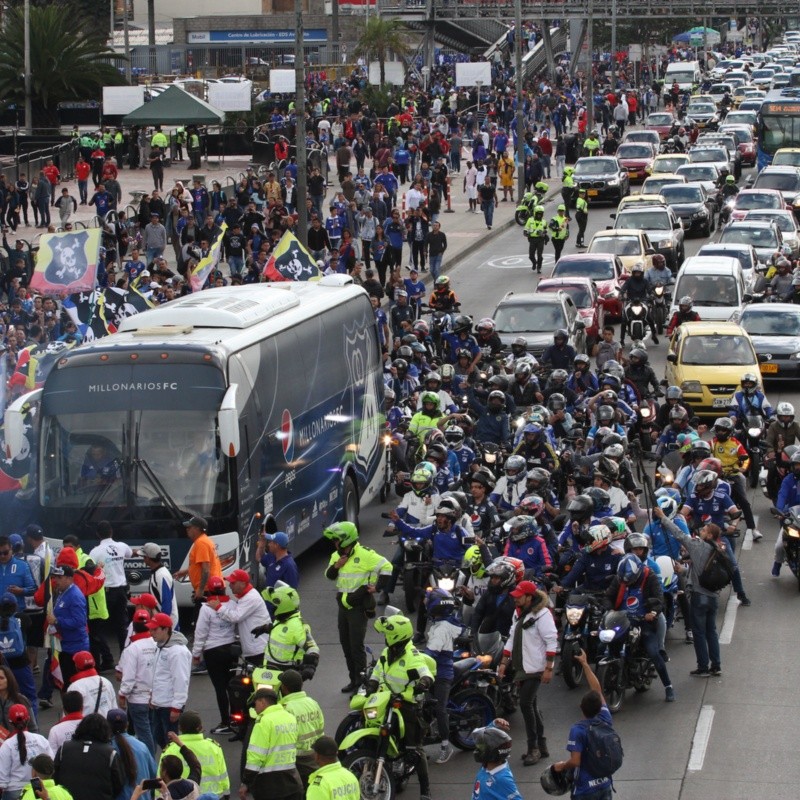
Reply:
x=64 y=156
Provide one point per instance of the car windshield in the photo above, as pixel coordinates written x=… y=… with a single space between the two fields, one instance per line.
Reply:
x=758 y=237
x=640 y=136
x=598 y=269
x=701 y=108
x=748 y=200
x=660 y=119
x=715 y=154
x=579 y=294
x=744 y=256
x=725 y=350
x=698 y=173
x=783 y=221
x=708 y=290
x=740 y=117
x=783 y=182
x=634 y=151
x=680 y=193
x=669 y=163
x=763 y=323
x=644 y=220
x=529 y=318
x=719 y=88
x=595 y=166
x=616 y=245
x=742 y=135
x=654 y=184
x=791 y=159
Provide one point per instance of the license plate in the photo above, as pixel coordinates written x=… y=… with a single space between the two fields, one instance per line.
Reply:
x=593 y=192
x=721 y=402
x=769 y=369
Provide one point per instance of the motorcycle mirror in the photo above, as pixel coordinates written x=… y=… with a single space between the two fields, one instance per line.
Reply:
x=613 y=216
x=390 y=611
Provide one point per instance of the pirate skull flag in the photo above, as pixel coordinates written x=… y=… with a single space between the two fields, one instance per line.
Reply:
x=290 y=261
x=67 y=262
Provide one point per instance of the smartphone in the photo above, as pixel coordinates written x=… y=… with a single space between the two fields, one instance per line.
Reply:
x=152 y=783
x=36 y=784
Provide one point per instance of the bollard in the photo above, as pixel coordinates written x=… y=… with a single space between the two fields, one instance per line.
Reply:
x=449 y=209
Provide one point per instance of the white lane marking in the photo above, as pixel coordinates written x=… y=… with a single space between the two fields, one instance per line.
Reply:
x=702 y=733
x=747 y=544
x=726 y=634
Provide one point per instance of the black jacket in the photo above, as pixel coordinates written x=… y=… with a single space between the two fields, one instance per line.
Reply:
x=89 y=770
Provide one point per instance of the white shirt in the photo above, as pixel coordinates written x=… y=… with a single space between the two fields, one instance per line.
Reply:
x=111 y=555
x=136 y=667
x=13 y=775
x=414 y=199
x=61 y=732
x=212 y=630
x=92 y=688
x=247 y=612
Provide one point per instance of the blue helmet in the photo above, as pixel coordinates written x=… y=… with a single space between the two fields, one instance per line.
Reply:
x=630 y=569
x=439 y=603
x=670 y=491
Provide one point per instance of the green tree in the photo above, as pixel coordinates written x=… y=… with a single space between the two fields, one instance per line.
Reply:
x=67 y=63
x=381 y=37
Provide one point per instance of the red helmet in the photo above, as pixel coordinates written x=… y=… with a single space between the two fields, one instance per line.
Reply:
x=518 y=566
x=714 y=464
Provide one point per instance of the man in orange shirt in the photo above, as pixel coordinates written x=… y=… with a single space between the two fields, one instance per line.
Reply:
x=203 y=559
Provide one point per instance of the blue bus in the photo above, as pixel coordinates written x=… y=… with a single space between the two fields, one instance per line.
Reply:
x=248 y=406
x=778 y=123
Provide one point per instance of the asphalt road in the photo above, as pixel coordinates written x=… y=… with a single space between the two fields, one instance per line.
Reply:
x=731 y=737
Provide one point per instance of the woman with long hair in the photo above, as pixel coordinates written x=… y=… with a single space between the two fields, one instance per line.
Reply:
x=10 y=695
x=17 y=751
x=138 y=763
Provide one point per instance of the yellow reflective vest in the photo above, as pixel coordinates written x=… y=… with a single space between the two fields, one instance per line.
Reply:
x=333 y=782
x=309 y=717
x=289 y=641
x=214 y=778
x=273 y=743
x=363 y=567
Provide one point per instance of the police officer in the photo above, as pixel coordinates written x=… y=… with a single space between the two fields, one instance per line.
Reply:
x=270 y=772
x=214 y=778
x=397 y=660
x=536 y=232
x=289 y=642
x=581 y=216
x=309 y=717
x=331 y=780
x=568 y=189
x=358 y=573
x=194 y=149
x=559 y=229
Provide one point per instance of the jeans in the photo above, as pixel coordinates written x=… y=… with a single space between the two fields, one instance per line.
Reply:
x=83 y=189
x=704 y=627
x=435 y=264
x=27 y=685
x=44 y=212
x=152 y=252
x=546 y=166
x=142 y=719
x=737 y=584
x=529 y=706
x=441 y=691
x=162 y=725
x=560 y=163
x=418 y=254
x=652 y=648
x=488 y=212
x=739 y=496
x=236 y=264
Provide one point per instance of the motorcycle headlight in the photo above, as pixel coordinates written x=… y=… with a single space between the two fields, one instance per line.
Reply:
x=574 y=615
x=793 y=532
x=693 y=387
x=490 y=458
x=667 y=244
x=607 y=636
x=371 y=713
x=447 y=584
x=754 y=432
x=645 y=412
x=387 y=440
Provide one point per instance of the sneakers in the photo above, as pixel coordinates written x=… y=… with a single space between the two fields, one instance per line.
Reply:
x=664 y=655
x=200 y=669
x=700 y=672
x=669 y=694
x=744 y=599
x=756 y=534
x=689 y=638
x=532 y=757
x=445 y=753
x=715 y=671
x=45 y=704
x=776 y=569
x=222 y=728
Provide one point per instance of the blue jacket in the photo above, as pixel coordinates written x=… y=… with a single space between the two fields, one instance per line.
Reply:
x=17 y=573
x=72 y=620
x=449 y=546
x=662 y=543
x=593 y=571
x=789 y=493
x=743 y=405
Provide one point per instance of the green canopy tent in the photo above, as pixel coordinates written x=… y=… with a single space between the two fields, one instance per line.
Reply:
x=174 y=106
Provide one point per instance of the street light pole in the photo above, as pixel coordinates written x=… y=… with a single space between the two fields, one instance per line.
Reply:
x=26 y=12
x=127 y=42
x=520 y=113
x=300 y=124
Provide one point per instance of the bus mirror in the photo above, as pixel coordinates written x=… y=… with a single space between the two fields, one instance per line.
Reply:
x=228 y=420
x=14 y=423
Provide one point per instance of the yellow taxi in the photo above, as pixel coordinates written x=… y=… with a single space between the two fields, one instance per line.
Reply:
x=641 y=200
x=786 y=157
x=668 y=163
x=631 y=245
x=707 y=360
x=655 y=183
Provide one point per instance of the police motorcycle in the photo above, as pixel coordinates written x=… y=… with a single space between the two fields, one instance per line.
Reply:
x=790 y=537
x=524 y=210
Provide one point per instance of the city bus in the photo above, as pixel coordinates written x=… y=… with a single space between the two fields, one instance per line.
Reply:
x=254 y=406
x=778 y=123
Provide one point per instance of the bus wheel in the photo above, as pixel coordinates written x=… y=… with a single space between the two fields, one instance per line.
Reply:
x=350 y=501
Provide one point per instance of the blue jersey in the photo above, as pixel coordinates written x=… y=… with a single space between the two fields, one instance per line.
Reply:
x=662 y=544
x=754 y=405
x=532 y=552
x=465 y=456
x=495 y=784
x=593 y=571
x=788 y=494
x=711 y=510
x=455 y=342
x=447 y=546
x=583 y=782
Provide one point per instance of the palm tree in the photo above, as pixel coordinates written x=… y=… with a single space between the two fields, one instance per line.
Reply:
x=67 y=63
x=382 y=36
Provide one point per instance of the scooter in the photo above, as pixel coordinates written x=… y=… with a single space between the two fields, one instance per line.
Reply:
x=661 y=300
x=790 y=532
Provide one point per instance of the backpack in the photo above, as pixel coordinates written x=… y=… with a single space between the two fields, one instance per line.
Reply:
x=718 y=571
x=12 y=642
x=603 y=754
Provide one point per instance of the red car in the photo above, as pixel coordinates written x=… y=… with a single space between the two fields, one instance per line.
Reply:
x=584 y=294
x=743 y=134
x=756 y=200
x=636 y=157
x=661 y=122
x=604 y=269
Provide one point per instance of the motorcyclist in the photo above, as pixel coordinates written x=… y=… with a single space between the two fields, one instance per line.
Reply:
x=673 y=396
x=449 y=539
x=494 y=611
x=727 y=185
x=573 y=536
x=401 y=312
x=534 y=446
x=596 y=565
x=783 y=431
x=557 y=384
x=510 y=489
x=560 y=420
x=525 y=542
x=472 y=581
x=445 y=480
x=606 y=418
x=398 y=659
x=582 y=381
x=460 y=338
x=560 y=354
x=789 y=493
x=432 y=382
x=454 y=436
x=443 y=298
x=519 y=353
x=636 y=288
x=606 y=477
x=537 y=482
x=625 y=388
x=487 y=336
x=610 y=399
x=659 y=274
x=781 y=285
x=430 y=416
x=637 y=591
x=524 y=389
x=483 y=512
x=400 y=382
x=685 y=313
x=749 y=401
x=493 y=424
x=641 y=373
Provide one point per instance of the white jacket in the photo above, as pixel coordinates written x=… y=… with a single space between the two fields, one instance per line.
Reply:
x=212 y=630
x=418 y=512
x=13 y=775
x=89 y=688
x=538 y=639
x=136 y=666
x=172 y=670
x=247 y=612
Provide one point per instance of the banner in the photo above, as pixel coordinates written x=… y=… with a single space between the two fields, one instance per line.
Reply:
x=35 y=362
x=67 y=262
x=207 y=264
x=290 y=261
x=469 y=74
x=99 y=313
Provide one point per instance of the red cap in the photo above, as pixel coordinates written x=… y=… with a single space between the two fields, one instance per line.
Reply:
x=83 y=660
x=524 y=588
x=67 y=558
x=147 y=600
x=140 y=615
x=238 y=575
x=160 y=621
x=18 y=713
x=215 y=585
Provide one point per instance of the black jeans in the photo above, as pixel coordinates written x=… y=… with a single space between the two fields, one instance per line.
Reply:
x=418 y=254
x=117 y=602
x=529 y=706
x=352 y=631
x=441 y=691
x=536 y=252
x=97 y=644
x=219 y=661
x=413 y=740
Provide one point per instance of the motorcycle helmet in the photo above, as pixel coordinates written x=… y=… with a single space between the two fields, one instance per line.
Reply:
x=473 y=561
x=492 y=744
x=462 y=324
x=558 y=377
x=447 y=371
x=496 y=402
x=749 y=383
x=730 y=179
x=502 y=575
x=517 y=565
x=462 y=352
x=431 y=399
x=629 y=569
x=560 y=334
x=714 y=464
x=421 y=328
x=556 y=783
x=599 y=497
x=459 y=498
x=437 y=452
x=342 y=534
x=617 y=526
x=396 y=629
x=607 y=469
x=615 y=451
x=439 y=603
x=532 y=505
x=485 y=327
x=640 y=354
x=515 y=468
x=405 y=352
x=613 y=367
x=580 y=508
x=418 y=349
x=659 y=262
x=283 y=597
x=783 y=264
x=538 y=479
x=609 y=438
x=668 y=505
x=520 y=528
x=704 y=481
x=434 y=436
x=533 y=432
x=499 y=382
x=519 y=346
x=669 y=491
x=637 y=267
x=454 y=436
x=442 y=283
x=484 y=478
x=678 y=414
x=389 y=396
x=582 y=362
x=795 y=462
x=408 y=339
x=612 y=382
x=433 y=377
x=538 y=212
x=785 y=414
x=700 y=449
x=556 y=402
x=603 y=431
x=723 y=427
x=598 y=538
x=633 y=541
x=523 y=370
x=422 y=478
x=674 y=393
x=605 y=414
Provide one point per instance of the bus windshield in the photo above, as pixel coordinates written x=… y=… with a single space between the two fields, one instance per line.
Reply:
x=779 y=131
